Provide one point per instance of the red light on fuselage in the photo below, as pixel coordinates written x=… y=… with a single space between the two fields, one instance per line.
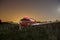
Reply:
x=26 y=17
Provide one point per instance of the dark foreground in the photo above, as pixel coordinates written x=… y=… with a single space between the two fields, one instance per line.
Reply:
x=43 y=32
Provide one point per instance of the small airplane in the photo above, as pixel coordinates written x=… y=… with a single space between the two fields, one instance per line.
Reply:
x=27 y=21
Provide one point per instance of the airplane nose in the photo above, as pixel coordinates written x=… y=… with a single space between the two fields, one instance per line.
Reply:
x=24 y=24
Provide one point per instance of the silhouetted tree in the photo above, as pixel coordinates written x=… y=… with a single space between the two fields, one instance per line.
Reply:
x=57 y=20
x=0 y=21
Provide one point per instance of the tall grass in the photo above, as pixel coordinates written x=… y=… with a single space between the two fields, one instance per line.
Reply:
x=43 y=32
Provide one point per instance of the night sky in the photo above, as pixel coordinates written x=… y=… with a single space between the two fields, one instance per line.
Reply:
x=41 y=10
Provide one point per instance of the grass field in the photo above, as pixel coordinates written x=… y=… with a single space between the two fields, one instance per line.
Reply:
x=44 y=32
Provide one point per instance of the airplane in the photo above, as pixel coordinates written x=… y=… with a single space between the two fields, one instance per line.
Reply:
x=27 y=21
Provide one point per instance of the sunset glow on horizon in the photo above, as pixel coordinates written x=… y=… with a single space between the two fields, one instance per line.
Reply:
x=39 y=10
